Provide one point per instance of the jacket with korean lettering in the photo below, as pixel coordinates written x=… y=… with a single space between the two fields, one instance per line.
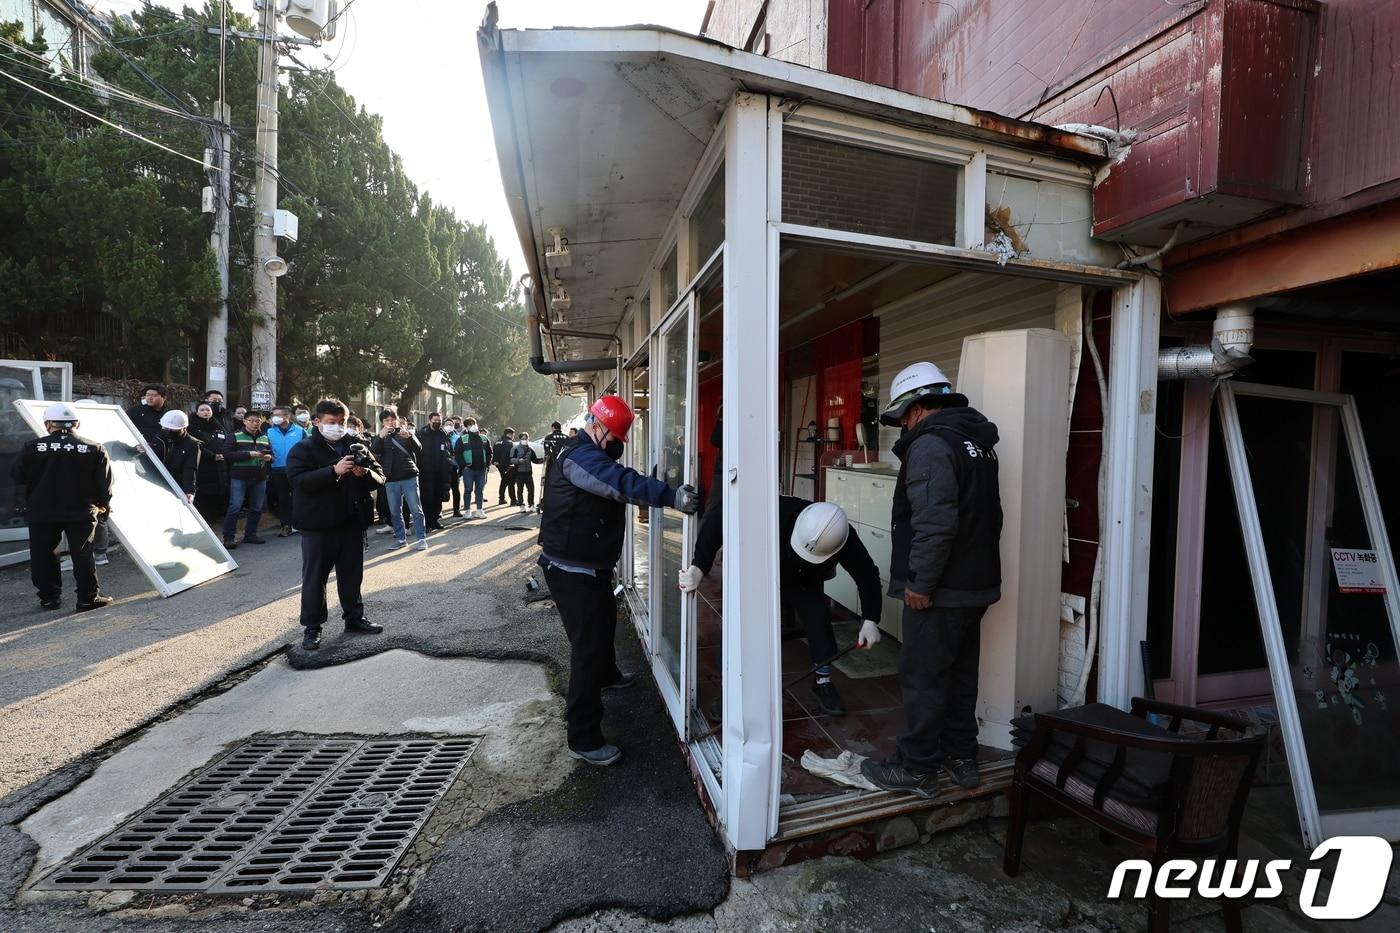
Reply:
x=63 y=478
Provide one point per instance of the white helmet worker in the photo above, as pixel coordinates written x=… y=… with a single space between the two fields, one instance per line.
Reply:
x=60 y=412
x=175 y=420
x=914 y=382
x=821 y=530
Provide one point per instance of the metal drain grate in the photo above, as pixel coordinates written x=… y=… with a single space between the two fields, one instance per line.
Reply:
x=278 y=814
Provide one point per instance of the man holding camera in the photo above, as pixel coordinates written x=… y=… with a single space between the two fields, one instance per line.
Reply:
x=334 y=477
x=398 y=450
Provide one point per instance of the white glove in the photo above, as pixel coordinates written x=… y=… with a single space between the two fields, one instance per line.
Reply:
x=690 y=578
x=869 y=635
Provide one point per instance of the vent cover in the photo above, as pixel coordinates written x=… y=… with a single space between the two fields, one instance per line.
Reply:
x=278 y=814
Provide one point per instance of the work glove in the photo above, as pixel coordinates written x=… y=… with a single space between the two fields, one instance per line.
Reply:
x=687 y=499
x=690 y=578
x=869 y=635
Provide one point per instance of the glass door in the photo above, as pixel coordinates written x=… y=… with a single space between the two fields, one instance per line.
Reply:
x=1325 y=588
x=638 y=518
x=671 y=533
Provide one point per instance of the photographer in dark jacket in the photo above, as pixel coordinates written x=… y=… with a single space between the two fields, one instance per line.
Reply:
x=945 y=562
x=178 y=451
x=333 y=477
x=65 y=483
x=435 y=469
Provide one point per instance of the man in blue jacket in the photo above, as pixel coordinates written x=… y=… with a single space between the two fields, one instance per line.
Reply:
x=581 y=532
x=282 y=435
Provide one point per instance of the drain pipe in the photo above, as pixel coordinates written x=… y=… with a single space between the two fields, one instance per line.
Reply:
x=1156 y=254
x=1232 y=337
x=558 y=367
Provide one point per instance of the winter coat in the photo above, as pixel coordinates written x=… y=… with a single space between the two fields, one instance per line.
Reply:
x=146 y=419
x=502 y=451
x=181 y=456
x=585 y=505
x=399 y=453
x=435 y=464
x=473 y=452
x=62 y=478
x=522 y=455
x=946 y=518
x=213 y=472
x=323 y=501
x=282 y=438
x=244 y=454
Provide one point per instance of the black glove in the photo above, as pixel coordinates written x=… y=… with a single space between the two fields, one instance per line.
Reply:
x=687 y=499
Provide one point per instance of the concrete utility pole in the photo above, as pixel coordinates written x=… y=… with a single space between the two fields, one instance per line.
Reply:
x=264 y=362
x=216 y=344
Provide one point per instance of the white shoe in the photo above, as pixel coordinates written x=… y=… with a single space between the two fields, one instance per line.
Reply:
x=421 y=546
x=100 y=560
x=386 y=529
x=523 y=510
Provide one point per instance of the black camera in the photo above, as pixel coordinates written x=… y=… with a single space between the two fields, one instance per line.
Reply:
x=360 y=456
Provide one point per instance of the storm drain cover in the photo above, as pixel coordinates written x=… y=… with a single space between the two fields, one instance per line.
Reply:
x=278 y=814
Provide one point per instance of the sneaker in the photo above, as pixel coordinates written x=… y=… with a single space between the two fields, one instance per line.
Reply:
x=253 y=539
x=828 y=699
x=100 y=560
x=97 y=602
x=50 y=603
x=600 y=757
x=963 y=771
x=523 y=510
x=397 y=544
x=893 y=776
x=386 y=529
x=230 y=543
x=421 y=546
x=311 y=640
x=480 y=513
x=622 y=683
x=363 y=627
x=286 y=532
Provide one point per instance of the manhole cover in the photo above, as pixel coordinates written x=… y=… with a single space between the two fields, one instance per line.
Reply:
x=278 y=814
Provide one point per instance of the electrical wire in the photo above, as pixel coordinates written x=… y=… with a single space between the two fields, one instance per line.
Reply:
x=102 y=90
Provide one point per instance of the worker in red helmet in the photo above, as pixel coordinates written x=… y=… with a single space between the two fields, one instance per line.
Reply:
x=581 y=531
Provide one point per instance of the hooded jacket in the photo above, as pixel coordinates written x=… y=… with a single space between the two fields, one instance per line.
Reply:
x=946 y=516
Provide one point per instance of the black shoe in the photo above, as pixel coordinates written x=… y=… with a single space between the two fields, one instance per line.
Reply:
x=253 y=539
x=622 y=683
x=97 y=602
x=50 y=604
x=892 y=776
x=230 y=543
x=456 y=514
x=311 y=640
x=828 y=699
x=364 y=627
x=963 y=771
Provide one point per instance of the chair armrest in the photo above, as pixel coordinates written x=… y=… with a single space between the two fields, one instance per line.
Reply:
x=1141 y=706
x=1050 y=722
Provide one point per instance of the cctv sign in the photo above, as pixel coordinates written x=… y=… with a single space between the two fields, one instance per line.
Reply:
x=1357 y=571
x=1363 y=865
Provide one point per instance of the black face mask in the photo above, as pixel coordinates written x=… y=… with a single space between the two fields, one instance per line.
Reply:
x=172 y=434
x=215 y=407
x=614 y=449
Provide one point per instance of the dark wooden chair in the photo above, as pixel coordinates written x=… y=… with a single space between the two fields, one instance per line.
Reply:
x=1176 y=795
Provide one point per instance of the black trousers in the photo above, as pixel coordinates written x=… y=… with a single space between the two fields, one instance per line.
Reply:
x=454 y=479
x=813 y=613
x=507 y=485
x=430 y=493
x=281 y=487
x=590 y=619
x=213 y=506
x=938 y=682
x=341 y=550
x=524 y=482
x=44 y=570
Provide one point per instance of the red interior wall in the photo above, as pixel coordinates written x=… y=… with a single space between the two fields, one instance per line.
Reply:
x=837 y=359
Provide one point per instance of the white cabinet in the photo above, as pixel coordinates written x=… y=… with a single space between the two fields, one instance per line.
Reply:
x=865 y=496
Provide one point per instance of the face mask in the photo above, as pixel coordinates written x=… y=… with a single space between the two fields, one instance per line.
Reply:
x=215 y=407
x=278 y=419
x=332 y=432
x=614 y=449
x=473 y=429
x=171 y=432
x=303 y=417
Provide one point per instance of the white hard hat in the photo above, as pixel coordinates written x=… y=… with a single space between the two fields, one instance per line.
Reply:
x=174 y=420
x=60 y=411
x=913 y=382
x=820 y=532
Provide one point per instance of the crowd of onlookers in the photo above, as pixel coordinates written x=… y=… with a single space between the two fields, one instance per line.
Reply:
x=233 y=464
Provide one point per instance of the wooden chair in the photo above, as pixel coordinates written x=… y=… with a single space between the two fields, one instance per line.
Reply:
x=1174 y=795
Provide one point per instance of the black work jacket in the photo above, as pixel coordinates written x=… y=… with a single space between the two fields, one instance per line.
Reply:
x=213 y=435
x=323 y=501
x=146 y=419
x=62 y=478
x=181 y=456
x=399 y=454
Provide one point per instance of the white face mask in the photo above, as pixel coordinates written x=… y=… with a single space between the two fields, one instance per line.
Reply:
x=473 y=429
x=278 y=419
x=303 y=417
x=332 y=432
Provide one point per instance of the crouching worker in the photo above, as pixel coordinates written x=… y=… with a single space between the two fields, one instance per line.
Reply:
x=581 y=533
x=819 y=540
x=333 y=477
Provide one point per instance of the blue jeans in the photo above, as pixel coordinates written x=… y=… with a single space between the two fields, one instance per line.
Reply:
x=475 y=479
x=401 y=491
x=239 y=491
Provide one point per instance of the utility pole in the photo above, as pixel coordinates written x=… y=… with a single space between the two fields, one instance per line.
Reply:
x=264 y=361
x=216 y=345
